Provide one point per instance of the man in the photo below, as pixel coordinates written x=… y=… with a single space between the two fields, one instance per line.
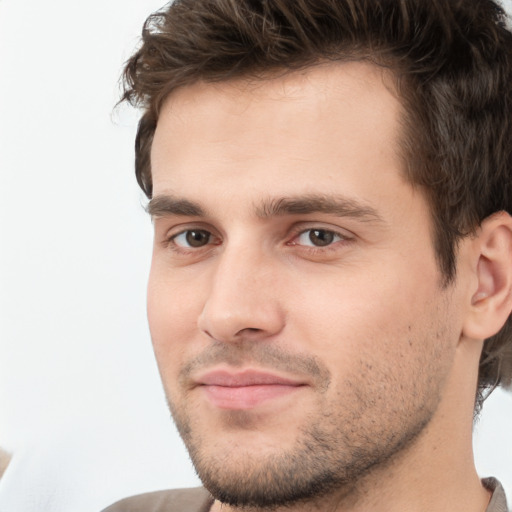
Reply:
x=331 y=284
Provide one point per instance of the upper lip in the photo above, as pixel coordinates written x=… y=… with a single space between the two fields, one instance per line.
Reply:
x=243 y=378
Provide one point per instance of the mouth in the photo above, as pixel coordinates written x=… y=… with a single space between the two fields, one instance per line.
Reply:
x=246 y=389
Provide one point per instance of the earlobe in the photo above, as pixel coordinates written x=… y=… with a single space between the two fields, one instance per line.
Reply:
x=491 y=302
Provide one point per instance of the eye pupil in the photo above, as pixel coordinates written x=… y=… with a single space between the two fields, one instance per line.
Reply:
x=320 y=237
x=197 y=238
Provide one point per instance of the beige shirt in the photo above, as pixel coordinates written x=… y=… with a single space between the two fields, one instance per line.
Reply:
x=199 y=500
x=498 y=501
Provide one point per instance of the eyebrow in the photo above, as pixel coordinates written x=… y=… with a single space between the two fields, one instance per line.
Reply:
x=163 y=205
x=308 y=204
x=168 y=205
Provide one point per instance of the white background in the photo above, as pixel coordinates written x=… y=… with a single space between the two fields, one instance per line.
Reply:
x=81 y=406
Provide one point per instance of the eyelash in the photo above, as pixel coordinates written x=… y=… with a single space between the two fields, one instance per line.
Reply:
x=342 y=239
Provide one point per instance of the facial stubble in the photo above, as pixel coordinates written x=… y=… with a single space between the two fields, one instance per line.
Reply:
x=334 y=448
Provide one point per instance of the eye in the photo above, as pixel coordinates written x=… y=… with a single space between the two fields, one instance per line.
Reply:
x=318 y=238
x=192 y=238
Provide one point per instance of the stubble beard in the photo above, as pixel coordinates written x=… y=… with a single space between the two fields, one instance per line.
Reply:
x=330 y=456
x=355 y=432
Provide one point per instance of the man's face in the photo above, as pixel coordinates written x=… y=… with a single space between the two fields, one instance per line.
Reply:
x=295 y=306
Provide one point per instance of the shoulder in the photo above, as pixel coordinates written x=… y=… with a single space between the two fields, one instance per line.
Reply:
x=498 y=501
x=197 y=499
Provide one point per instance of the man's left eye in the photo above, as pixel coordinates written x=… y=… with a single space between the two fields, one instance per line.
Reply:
x=318 y=238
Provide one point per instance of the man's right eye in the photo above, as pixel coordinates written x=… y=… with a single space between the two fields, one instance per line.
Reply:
x=192 y=238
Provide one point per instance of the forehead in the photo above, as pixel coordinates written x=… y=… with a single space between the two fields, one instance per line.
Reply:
x=328 y=120
x=324 y=79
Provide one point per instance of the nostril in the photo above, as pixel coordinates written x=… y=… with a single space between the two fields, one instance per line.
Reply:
x=248 y=330
x=228 y=318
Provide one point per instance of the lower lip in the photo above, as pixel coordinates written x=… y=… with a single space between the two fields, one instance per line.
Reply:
x=245 y=397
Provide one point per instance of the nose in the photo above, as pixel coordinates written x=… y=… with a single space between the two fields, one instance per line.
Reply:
x=243 y=301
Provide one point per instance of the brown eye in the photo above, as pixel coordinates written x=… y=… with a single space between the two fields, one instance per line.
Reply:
x=194 y=238
x=321 y=237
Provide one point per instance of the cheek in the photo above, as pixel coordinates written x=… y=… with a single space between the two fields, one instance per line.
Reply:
x=172 y=319
x=365 y=309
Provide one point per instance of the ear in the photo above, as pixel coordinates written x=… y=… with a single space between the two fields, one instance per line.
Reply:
x=491 y=301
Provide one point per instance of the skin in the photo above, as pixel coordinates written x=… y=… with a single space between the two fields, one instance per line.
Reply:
x=338 y=292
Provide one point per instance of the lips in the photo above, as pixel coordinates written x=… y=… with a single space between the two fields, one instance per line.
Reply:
x=246 y=389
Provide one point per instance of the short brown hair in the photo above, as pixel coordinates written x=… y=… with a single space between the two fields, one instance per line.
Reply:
x=453 y=64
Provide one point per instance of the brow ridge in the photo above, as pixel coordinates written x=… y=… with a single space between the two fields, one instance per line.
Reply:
x=163 y=205
x=312 y=203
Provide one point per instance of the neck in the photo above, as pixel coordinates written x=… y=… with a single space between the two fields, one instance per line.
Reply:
x=443 y=482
